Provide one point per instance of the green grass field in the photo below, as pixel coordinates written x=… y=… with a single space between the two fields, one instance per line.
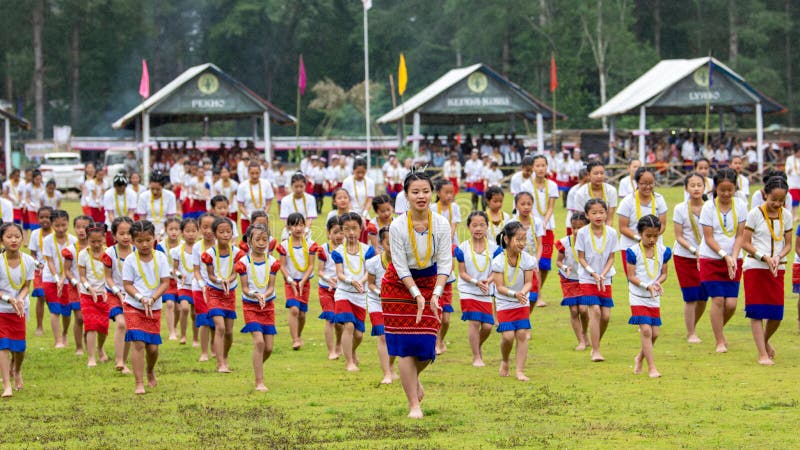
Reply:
x=703 y=399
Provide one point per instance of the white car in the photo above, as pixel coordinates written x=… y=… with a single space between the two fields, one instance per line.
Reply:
x=64 y=167
x=114 y=161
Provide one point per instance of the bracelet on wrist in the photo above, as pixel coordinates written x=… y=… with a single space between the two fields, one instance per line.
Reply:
x=85 y=286
x=758 y=255
x=637 y=238
x=438 y=290
x=693 y=249
x=6 y=298
x=415 y=292
x=722 y=253
x=511 y=292
x=589 y=270
x=644 y=285
x=139 y=297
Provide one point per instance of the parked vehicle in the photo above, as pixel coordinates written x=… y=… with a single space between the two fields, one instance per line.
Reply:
x=115 y=160
x=64 y=167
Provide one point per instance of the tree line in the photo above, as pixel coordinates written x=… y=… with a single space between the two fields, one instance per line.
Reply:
x=77 y=62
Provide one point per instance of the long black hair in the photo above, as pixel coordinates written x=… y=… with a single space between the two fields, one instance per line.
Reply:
x=648 y=221
x=510 y=230
x=723 y=175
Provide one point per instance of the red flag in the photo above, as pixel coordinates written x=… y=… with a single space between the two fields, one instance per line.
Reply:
x=144 y=84
x=301 y=77
x=553 y=74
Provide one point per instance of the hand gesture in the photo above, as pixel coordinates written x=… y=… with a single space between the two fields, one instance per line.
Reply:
x=93 y=294
x=358 y=286
x=774 y=262
x=521 y=298
x=436 y=308
x=59 y=286
x=567 y=270
x=19 y=306
x=300 y=285
x=731 y=266
x=483 y=285
x=121 y=295
x=262 y=301
x=599 y=281
x=147 y=302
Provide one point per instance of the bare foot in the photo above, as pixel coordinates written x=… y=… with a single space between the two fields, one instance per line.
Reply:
x=478 y=363
x=139 y=389
x=182 y=341
x=296 y=345
x=126 y=371
x=722 y=348
x=79 y=352
x=541 y=303
x=415 y=413
x=18 y=385
x=203 y=358
x=195 y=344
x=597 y=357
x=387 y=379
x=521 y=377
x=339 y=351
x=91 y=363
x=223 y=370
x=261 y=388
x=60 y=345
x=637 y=365
x=39 y=332
x=333 y=356
x=351 y=368
x=172 y=337
x=152 y=381
x=503 y=368
x=395 y=376
x=766 y=361
x=420 y=391
x=581 y=347
x=8 y=393
x=770 y=351
x=655 y=373
x=104 y=358
x=693 y=339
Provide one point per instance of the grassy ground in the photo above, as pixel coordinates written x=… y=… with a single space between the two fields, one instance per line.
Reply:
x=703 y=400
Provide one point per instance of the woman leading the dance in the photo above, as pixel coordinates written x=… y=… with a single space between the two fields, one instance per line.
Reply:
x=420 y=242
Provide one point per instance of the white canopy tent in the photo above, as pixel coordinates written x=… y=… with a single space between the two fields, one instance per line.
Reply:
x=472 y=94
x=200 y=94
x=689 y=86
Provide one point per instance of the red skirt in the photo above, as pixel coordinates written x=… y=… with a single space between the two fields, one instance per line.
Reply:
x=280 y=193
x=763 y=294
x=95 y=315
x=253 y=313
x=302 y=297
x=12 y=332
x=571 y=291
x=218 y=299
x=400 y=309
x=98 y=215
x=327 y=303
x=140 y=327
x=453 y=181
x=57 y=304
x=200 y=306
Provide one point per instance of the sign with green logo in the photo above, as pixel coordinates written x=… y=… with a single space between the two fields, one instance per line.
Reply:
x=479 y=94
x=694 y=90
x=208 y=93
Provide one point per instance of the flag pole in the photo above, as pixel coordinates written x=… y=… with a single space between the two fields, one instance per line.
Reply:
x=366 y=87
x=708 y=102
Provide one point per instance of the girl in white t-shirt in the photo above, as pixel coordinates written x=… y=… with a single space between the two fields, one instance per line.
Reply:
x=145 y=276
x=596 y=246
x=297 y=255
x=183 y=270
x=767 y=238
x=627 y=184
x=512 y=274
x=376 y=268
x=571 y=296
x=643 y=201
x=15 y=281
x=645 y=288
x=534 y=231
x=94 y=304
x=474 y=258
x=257 y=273
x=113 y=261
x=494 y=212
x=720 y=262
x=688 y=237
x=545 y=193
x=326 y=271
x=350 y=297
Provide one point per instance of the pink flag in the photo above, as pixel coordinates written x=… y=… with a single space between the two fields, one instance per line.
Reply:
x=144 y=85
x=301 y=77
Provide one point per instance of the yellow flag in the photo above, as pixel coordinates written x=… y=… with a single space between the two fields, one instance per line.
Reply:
x=402 y=76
